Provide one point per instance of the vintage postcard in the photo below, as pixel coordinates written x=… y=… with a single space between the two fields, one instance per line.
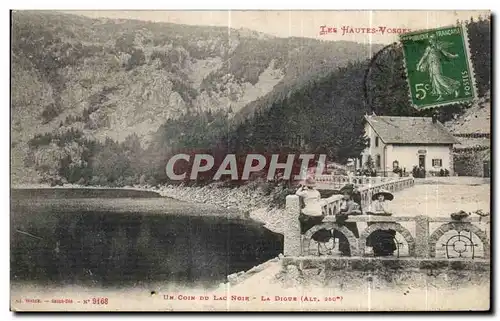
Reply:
x=250 y=161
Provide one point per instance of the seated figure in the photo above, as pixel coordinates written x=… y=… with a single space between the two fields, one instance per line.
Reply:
x=382 y=241
x=348 y=207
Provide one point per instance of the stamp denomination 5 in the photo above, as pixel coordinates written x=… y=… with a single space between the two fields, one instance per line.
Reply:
x=438 y=67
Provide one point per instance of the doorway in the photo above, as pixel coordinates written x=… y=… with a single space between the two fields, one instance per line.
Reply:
x=421 y=166
x=421 y=161
x=486 y=168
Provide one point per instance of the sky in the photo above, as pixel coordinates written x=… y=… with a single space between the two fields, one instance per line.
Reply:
x=305 y=23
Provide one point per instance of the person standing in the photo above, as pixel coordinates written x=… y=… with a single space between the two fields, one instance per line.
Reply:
x=312 y=214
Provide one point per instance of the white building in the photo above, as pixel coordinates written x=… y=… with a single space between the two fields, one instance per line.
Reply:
x=407 y=142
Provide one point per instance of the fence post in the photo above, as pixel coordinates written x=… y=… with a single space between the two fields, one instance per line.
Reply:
x=422 y=236
x=291 y=229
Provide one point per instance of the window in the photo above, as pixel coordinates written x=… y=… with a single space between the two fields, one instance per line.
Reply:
x=437 y=162
x=378 y=161
x=376 y=141
x=298 y=140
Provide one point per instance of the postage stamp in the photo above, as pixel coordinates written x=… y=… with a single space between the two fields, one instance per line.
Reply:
x=438 y=67
x=242 y=161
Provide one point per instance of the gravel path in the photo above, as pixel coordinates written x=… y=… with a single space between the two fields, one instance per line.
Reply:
x=440 y=200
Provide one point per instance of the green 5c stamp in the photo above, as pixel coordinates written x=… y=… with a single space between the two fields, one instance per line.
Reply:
x=438 y=67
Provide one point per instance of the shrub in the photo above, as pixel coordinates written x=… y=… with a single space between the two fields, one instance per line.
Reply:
x=103 y=181
x=49 y=113
x=279 y=195
x=136 y=59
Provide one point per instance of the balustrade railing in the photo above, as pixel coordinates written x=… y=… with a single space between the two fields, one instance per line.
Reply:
x=394 y=185
x=337 y=181
x=331 y=205
x=419 y=242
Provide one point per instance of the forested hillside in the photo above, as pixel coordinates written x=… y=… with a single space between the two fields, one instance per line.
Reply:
x=111 y=78
x=117 y=76
x=107 y=102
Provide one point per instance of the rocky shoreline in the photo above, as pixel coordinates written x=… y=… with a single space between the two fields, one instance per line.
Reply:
x=254 y=202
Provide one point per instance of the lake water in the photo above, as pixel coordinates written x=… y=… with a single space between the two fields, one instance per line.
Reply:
x=123 y=237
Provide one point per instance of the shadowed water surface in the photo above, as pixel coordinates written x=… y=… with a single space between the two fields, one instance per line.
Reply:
x=121 y=238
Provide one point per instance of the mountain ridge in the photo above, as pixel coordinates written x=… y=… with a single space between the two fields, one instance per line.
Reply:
x=211 y=73
x=113 y=78
x=105 y=103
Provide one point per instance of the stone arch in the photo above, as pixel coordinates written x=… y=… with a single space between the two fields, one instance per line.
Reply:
x=459 y=227
x=342 y=229
x=387 y=226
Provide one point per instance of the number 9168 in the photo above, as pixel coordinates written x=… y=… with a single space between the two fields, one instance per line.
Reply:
x=99 y=300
